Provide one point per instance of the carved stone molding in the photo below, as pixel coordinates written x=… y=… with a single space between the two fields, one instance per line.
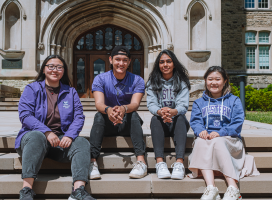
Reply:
x=40 y=46
x=170 y=47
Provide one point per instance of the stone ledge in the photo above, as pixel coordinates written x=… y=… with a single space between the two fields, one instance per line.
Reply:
x=120 y=161
x=251 y=139
x=112 y=184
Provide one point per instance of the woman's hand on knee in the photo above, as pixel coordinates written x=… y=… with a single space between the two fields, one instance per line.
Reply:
x=52 y=138
x=204 y=135
x=65 y=142
x=213 y=135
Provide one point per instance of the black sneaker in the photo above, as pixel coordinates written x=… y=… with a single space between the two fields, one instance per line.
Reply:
x=80 y=194
x=26 y=194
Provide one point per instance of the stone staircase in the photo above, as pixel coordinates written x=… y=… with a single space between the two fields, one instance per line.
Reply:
x=54 y=180
x=11 y=104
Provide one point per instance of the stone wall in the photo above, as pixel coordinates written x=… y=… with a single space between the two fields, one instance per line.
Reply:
x=233 y=21
x=20 y=84
x=258 y=82
x=259 y=19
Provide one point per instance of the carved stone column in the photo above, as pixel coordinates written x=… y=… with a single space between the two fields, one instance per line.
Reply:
x=63 y=52
x=53 y=49
x=58 y=49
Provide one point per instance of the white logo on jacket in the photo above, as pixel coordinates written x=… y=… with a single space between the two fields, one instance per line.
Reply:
x=66 y=104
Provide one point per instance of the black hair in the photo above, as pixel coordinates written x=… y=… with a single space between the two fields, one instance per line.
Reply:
x=116 y=50
x=180 y=73
x=64 y=80
x=222 y=71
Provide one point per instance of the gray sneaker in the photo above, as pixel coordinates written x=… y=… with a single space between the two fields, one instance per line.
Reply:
x=80 y=194
x=26 y=194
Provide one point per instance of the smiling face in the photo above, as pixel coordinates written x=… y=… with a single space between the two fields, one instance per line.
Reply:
x=166 y=66
x=120 y=64
x=52 y=77
x=215 y=84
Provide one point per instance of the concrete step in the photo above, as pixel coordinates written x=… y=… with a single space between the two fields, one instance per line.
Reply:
x=254 y=141
x=11 y=104
x=120 y=161
x=106 y=161
x=120 y=186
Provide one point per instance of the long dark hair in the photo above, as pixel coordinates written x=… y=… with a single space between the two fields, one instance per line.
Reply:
x=65 y=78
x=180 y=73
x=222 y=71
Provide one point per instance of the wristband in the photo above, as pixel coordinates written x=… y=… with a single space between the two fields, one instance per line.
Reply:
x=106 y=109
x=126 y=108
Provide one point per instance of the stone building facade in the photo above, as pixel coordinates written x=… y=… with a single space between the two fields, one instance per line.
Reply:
x=202 y=33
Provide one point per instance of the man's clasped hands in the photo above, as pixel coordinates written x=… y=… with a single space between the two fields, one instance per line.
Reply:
x=116 y=114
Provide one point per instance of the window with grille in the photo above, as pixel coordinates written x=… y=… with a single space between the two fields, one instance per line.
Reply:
x=250 y=57
x=106 y=38
x=264 y=57
x=256 y=4
x=249 y=4
x=264 y=37
x=250 y=37
x=257 y=49
x=263 y=3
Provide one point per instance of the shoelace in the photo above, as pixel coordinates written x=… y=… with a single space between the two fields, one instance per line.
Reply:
x=177 y=166
x=27 y=190
x=82 y=191
x=231 y=192
x=95 y=167
x=138 y=165
x=162 y=165
x=207 y=191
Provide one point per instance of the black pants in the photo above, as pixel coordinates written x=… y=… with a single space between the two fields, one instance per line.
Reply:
x=131 y=126
x=35 y=147
x=177 y=129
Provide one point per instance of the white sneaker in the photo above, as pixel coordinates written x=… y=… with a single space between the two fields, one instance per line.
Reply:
x=232 y=193
x=94 y=172
x=178 y=170
x=211 y=193
x=162 y=170
x=139 y=170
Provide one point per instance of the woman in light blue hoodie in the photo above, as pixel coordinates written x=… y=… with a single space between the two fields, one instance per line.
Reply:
x=168 y=100
x=217 y=120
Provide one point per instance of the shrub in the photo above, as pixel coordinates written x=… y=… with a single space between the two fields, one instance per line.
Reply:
x=256 y=100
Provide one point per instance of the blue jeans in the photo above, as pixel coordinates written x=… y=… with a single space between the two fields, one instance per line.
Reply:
x=35 y=147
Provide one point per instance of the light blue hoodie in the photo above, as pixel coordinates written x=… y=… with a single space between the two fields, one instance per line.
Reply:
x=224 y=115
x=168 y=98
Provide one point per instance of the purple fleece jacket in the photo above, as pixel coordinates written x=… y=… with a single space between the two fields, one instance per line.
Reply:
x=33 y=110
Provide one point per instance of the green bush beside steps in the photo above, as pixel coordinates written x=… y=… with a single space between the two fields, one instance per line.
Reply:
x=256 y=100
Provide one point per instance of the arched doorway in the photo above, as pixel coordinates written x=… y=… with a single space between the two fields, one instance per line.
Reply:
x=92 y=50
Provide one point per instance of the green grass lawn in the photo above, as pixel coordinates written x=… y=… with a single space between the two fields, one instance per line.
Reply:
x=257 y=116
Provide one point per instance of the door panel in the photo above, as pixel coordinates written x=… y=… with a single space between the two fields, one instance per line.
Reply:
x=98 y=65
x=80 y=77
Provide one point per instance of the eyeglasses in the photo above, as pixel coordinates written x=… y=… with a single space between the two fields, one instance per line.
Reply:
x=52 y=67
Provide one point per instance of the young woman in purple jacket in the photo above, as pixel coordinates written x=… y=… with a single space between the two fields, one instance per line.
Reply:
x=52 y=117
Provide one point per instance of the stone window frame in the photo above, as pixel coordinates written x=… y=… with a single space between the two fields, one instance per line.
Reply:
x=257 y=45
x=256 y=6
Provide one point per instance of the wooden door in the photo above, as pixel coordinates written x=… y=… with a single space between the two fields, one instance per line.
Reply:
x=98 y=65
x=81 y=80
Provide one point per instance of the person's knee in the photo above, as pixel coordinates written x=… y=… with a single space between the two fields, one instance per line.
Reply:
x=219 y=142
x=154 y=119
x=99 y=118
x=36 y=137
x=82 y=143
x=135 y=116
